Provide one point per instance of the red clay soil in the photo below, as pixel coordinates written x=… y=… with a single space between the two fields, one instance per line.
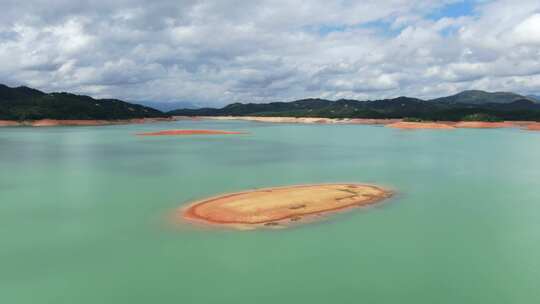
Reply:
x=189 y=132
x=535 y=126
x=373 y=121
x=9 y=123
x=420 y=125
x=484 y=125
x=54 y=122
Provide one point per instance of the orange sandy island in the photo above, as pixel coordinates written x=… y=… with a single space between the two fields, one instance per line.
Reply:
x=188 y=132
x=278 y=207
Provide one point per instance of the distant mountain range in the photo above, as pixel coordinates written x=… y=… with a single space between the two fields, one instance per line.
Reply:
x=467 y=105
x=476 y=97
x=23 y=103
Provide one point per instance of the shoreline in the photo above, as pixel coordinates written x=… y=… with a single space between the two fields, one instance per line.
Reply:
x=396 y=123
x=405 y=125
x=533 y=126
x=298 y=120
x=81 y=122
x=280 y=207
x=387 y=122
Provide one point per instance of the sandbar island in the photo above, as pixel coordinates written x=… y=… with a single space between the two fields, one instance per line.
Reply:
x=282 y=206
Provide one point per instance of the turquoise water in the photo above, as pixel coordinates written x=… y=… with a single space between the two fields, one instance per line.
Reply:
x=84 y=216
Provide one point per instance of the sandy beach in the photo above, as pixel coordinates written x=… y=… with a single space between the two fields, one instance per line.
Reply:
x=9 y=123
x=534 y=126
x=280 y=207
x=300 y=120
x=485 y=125
x=420 y=125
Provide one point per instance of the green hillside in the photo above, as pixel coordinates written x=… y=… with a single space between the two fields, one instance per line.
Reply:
x=464 y=106
x=23 y=103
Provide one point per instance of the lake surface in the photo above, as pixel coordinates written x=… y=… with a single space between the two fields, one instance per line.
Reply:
x=84 y=216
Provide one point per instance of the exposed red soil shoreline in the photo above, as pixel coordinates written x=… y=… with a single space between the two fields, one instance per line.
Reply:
x=484 y=125
x=189 y=132
x=420 y=125
x=299 y=120
x=79 y=122
x=276 y=206
x=393 y=123
x=8 y=123
x=534 y=126
x=449 y=125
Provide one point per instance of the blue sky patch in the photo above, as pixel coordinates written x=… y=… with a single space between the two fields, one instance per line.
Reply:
x=454 y=10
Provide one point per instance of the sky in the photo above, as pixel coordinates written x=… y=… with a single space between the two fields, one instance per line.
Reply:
x=211 y=53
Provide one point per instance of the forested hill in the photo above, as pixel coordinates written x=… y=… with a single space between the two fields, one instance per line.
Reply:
x=23 y=103
x=477 y=97
x=468 y=105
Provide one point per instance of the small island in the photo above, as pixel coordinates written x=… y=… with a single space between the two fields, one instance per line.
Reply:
x=282 y=206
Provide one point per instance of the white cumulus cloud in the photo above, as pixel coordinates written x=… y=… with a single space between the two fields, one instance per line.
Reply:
x=217 y=52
